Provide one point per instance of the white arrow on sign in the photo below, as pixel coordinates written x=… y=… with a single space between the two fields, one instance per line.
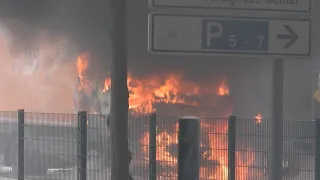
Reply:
x=262 y=37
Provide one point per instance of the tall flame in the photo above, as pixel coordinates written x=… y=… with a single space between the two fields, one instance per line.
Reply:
x=82 y=66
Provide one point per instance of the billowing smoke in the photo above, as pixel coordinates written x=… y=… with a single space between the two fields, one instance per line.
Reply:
x=61 y=30
x=43 y=39
x=40 y=42
x=37 y=71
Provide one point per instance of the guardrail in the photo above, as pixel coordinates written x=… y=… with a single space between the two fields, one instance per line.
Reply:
x=63 y=146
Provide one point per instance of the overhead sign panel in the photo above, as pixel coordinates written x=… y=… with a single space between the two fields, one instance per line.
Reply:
x=269 y=5
x=220 y=35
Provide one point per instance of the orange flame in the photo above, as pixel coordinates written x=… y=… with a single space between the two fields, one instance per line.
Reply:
x=172 y=88
x=107 y=84
x=82 y=66
x=258 y=118
x=223 y=89
x=143 y=93
x=215 y=151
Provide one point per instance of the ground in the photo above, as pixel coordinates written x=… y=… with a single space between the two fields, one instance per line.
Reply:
x=93 y=173
x=96 y=173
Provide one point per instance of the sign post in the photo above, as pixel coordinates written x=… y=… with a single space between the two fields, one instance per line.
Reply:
x=276 y=125
x=229 y=36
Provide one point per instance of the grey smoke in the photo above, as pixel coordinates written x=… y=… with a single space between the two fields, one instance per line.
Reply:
x=87 y=22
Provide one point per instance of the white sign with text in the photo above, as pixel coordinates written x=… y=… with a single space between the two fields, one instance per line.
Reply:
x=268 y=5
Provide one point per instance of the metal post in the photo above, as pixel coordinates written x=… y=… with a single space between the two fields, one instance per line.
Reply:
x=20 y=144
x=82 y=145
x=119 y=92
x=153 y=147
x=189 y=148
x=276 y=125
x=232 y=148
x=317 y=163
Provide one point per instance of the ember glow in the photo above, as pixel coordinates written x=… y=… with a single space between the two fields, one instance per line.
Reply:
x=107 y=84
x=223 y=89
x=258 y=118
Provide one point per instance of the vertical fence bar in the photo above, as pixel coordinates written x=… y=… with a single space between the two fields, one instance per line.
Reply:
x=82 y=145
x=153 y=147
x=317 y=163
x=232 y=148
x=20 y=144
x=189 y=148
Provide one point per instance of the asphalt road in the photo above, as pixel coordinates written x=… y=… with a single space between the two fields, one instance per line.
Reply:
x=94 y=172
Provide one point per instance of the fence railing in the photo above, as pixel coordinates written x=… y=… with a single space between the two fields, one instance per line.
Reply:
x=72 y=146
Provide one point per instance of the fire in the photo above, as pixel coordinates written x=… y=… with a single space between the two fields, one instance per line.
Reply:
x=258 y=118
x=223 y=89
x=172 y=88
x=82 y=66
x=215 y=151
x=163 y=140
x=145 y=92
x=107 y=84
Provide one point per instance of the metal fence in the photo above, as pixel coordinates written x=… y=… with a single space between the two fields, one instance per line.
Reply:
x=67 y=146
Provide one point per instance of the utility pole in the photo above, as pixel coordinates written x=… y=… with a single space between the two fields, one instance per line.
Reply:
x=119 y=91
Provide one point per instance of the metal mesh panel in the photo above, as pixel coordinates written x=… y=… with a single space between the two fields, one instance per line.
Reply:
x=98 y=148
x=252 y=149
x=8 y=130
x=51 y=142
x=50 y=145
x=138 y=127
x=299 y=149
x=167 y=147
x=214 y=148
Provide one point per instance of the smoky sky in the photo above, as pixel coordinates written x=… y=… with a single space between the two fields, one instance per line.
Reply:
x=87 y=23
